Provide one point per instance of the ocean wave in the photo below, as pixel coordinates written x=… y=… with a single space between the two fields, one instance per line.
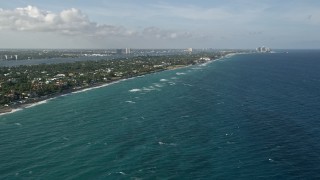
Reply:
x=150 y=88
x=187 y=84
x=163 y=80
x=120 y=172
x=179 y=73
x=38 y=103
x=157 y=85
x=134 y=90
x=13 y=111
x=196 y=68
x=169 y=144
x=130 y=102
x=88 y=89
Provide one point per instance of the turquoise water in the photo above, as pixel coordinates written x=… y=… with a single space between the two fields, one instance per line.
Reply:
x=245 y=117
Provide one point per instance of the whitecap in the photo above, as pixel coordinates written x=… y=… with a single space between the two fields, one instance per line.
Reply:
x=131 y=102
x=271 y=160
x=120 y=172
x=157 y=85
x=150 y=88
x=187 y=84
x=180 y=73
x=134 y=90
x=161 y=143
x=169 y=144
x=163 y=80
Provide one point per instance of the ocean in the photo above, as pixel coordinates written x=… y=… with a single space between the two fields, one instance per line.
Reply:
x=249 y=116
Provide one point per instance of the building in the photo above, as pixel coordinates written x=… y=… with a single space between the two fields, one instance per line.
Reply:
x=263 y=49
x=128 y=50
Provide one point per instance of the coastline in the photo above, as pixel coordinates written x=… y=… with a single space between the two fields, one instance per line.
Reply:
x=45 y=99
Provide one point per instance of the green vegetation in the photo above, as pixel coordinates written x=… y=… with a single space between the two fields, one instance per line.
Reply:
x=27 y=84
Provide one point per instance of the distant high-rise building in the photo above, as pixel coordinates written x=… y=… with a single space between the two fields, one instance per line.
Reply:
x=128 y=50
x=263 y=49
x=16 y=56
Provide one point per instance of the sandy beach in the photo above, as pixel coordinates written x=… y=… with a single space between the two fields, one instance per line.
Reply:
x=44 y=99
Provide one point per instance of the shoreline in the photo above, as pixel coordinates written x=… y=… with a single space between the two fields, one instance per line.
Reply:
x=45 y=99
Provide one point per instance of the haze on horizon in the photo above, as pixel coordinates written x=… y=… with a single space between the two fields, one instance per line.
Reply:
x=160 y=24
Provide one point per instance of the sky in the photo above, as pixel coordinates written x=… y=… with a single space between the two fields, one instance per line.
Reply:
x=240 y=24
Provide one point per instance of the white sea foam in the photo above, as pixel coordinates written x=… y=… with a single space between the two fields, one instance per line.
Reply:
x=88 y=89
x=134 y=90
x=161 y=143
x=150 y=88
x=157 y=85
x=187 y=84
x=38 y=103
x=131 y=102
x=163 y=80
x=178 y=73
x=18 y=124
x=13 y=111
x=169 y=144
x=120 y=172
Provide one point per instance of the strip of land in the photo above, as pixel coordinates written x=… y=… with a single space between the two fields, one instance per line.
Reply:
x=23 y=86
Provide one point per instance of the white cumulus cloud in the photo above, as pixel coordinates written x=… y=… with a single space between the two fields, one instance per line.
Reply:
x=74 y=22
x=71 y=22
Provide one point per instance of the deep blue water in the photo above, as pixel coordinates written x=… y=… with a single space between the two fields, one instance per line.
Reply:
x=251 y=116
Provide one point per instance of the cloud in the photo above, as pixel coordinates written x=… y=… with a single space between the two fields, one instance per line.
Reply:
x=68 y=22
x=74 y=22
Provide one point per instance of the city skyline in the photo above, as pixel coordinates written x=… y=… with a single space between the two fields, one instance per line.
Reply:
x=160 y=24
